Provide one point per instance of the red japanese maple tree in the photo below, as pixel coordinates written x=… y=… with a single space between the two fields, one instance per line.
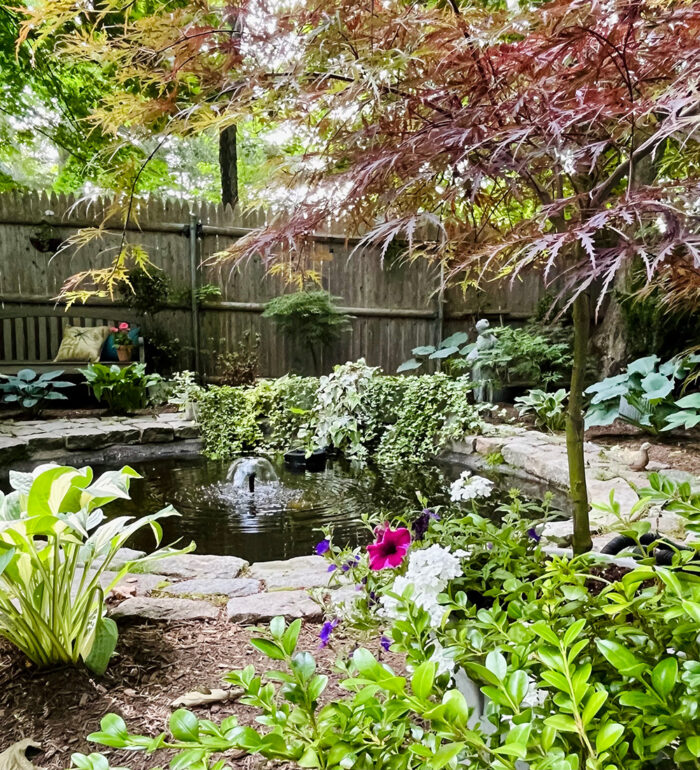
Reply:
x=557 y=136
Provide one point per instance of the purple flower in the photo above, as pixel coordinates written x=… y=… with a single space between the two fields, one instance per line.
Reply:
x=422 y=522
x=332 y=568
x=385 y=642
x=532 y=532
x=350 y=563
x=323 y=547
x=326 y=631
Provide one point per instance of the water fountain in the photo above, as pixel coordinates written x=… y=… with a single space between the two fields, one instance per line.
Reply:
x=244 y=472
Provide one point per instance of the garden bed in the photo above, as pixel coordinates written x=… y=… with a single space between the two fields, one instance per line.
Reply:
x=155 y=664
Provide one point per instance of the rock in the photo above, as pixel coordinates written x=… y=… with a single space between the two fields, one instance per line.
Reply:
x=84 y=438
x=486 y=445
x=154 y=432
x=300 y=572
x=12 y=449
x=263 y=607
x=184 y=429
x=187 y=566
x=558 y=532
x=599 y=492
x=546 y=462
x=165 y=609
x=132 y=584
x=39 y=443
x=215 y=587
x=464 y=446
x=669 y=524
x=118 y=433
x=121 y=557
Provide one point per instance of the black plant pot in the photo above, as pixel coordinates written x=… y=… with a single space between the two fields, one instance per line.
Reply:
x=297 y=460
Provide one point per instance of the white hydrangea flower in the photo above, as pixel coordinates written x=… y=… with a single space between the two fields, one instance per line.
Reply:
x=428 y=572
x=468 y=487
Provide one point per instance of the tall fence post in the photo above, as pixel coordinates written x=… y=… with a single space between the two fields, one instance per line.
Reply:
x=194 y=227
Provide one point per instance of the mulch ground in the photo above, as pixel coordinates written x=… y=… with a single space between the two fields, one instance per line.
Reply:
x=155 y=663
x=679 y=450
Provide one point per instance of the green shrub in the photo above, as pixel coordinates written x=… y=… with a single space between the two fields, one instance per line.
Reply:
x=228 y=421
x=55 y=550
x=310 y=318
x=557 y=668
x=30 y=390
x=123 y=389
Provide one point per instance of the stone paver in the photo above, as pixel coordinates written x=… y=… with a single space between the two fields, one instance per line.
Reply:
x=260 y=608
x=12 y=448
x=130 y=585
x=121 y=557
x=20 y=439
x=85 y=437
x=190 y=566
x=300 y=572
x=165 y=609
x=231 y=587
x=154 y=432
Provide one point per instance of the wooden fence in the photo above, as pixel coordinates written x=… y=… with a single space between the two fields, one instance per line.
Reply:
x=394 y=306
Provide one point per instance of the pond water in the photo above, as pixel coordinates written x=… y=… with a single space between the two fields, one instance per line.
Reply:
x=279 y=519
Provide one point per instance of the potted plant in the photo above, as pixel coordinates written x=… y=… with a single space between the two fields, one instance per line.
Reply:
x=123 y=341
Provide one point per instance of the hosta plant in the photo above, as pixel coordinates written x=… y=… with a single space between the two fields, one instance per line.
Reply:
x=642 y=395
x=123 y=389
x=56 y=555
x=30 y=390
x=688 y=414
x=547 y=408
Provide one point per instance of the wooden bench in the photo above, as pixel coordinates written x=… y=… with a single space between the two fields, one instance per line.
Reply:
x=30 y=335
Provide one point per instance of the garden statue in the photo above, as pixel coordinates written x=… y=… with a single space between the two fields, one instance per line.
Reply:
x=244 y=471
x=481 y=374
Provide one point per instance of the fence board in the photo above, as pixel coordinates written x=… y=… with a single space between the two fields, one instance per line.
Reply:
x=394 y=305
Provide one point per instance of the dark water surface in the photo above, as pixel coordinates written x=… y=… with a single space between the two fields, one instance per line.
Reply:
x=279 y=519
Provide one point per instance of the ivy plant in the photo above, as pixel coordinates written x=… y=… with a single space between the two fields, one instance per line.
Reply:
x=228 y=421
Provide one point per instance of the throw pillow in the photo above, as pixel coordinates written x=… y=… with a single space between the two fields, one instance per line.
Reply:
x=82 y=343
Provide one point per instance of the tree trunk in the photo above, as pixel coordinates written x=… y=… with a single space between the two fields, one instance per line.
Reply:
x=228 y=165
x=574 y=426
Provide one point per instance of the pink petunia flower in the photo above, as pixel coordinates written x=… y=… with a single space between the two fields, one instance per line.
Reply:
x=113 y=329
x=390 y=549
x=123 y=326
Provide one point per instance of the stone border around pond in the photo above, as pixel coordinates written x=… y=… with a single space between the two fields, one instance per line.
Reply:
x=541 y=458
x=22 y=440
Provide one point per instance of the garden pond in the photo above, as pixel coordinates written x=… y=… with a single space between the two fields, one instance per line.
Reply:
x=279 y=519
